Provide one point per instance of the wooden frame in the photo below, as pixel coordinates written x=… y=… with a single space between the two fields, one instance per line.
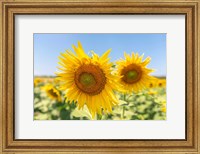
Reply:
x=9 y=8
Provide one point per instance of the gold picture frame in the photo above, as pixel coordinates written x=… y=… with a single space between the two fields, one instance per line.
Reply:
x=9 y=8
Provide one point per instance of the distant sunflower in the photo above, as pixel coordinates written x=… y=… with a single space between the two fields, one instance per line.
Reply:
x=37 y=81
x=135 y=75
x=161 y=83
x=56 y=81
x=163 y=109
x=152 y=84
x=152 y=92
x=88 y=80
x=52 y=92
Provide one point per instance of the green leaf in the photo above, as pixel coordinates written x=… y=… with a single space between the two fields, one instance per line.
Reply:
x=121 y=102
x=82 y=113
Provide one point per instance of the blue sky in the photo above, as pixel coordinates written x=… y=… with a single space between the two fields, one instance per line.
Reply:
x=47 y=48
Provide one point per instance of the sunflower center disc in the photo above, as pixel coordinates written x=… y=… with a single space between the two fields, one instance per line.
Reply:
x=90 y=79
x=87 y=79
x=131 y=74
x=52 y=93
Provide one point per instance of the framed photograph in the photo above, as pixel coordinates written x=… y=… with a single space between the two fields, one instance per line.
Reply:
x=99 y=76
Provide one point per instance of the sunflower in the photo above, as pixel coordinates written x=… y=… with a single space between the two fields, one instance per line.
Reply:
x=135 y=75
x=52 y=92
x=161 y=83
x=56 y=81
x=152 y=84
x=37 y=81
x=152 y=92
x=88 y=80
x=163 y=108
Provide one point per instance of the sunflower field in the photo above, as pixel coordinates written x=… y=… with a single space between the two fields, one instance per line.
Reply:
x=50 y=103
x=93 y=88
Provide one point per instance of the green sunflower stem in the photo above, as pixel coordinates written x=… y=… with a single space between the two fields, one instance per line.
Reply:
x=124 y=97
x=99 y=117
x=123 y=110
